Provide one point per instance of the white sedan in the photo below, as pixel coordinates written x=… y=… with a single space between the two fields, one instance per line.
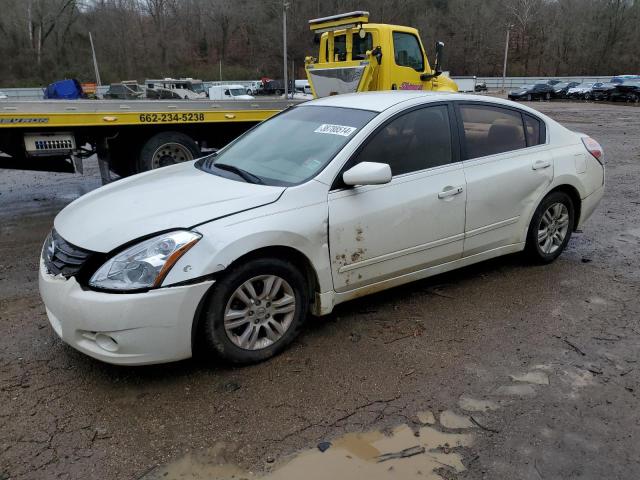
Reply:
x=328 y=201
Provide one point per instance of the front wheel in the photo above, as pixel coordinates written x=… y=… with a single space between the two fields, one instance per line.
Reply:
x=529 y=97
x=255 y=311
x=547 y=96
x=550 y=228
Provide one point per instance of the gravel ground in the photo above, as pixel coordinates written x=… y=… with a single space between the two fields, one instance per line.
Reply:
x=542 y=361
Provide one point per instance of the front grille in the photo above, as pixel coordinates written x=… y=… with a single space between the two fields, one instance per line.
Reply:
x=62 y=257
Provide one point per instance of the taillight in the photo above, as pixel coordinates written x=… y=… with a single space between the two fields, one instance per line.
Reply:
x=594 y=148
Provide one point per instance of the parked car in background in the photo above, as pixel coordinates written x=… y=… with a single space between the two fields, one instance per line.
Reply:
x=560 y=89
x=229 y=253
x=3 y=96
x=161 y=93
x=600 y=91
x=128 y=90
x=532 y=92
x=579 y=91
x=622 y=78
x=228 y=92
x=481 y=87
x=553 y=81
x=629 y=91
x=254 y=87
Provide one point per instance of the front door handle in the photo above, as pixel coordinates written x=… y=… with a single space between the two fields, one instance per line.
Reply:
x=450 y=192
x=540 y=164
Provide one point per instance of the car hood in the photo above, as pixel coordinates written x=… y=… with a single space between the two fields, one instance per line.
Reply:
x=518 y=92
x=179 y=196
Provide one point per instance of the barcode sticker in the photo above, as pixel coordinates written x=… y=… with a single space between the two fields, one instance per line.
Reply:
x=335 y=129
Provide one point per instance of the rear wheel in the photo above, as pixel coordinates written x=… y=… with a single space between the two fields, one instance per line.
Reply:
x=167 y=148
x=529 y=97
x=255 y=311
x=550 y=228
x=547 y=96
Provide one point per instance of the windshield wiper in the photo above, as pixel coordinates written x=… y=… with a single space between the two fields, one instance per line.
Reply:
x=247 y=176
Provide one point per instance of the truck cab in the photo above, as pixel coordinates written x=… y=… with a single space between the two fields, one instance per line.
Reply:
x=357 y=56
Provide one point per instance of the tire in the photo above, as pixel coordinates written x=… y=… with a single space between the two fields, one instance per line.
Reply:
x=561 y=209
x=587 y=96
x=166 y=148
x=249 y=91
x=547 y=96
x=279 y=92
x=529 y=97
x=223 y=340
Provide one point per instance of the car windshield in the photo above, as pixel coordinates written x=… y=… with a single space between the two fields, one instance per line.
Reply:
x=585 y=85
x=236 y=91
x=292 y=147
x=197 y=87
x=560 y=85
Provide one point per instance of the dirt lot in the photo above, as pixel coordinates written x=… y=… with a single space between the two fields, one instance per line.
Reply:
x=529 y=372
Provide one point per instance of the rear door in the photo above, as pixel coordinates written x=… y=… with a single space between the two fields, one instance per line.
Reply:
x=377 y=232
x=507 y=166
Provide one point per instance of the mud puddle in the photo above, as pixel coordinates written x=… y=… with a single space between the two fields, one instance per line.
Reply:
x=371 y=455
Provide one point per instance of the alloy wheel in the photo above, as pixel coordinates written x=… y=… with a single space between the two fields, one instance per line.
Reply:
x=553 y=228
x=259 y=312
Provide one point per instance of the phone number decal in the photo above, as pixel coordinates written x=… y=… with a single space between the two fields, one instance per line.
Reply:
x=171 y=117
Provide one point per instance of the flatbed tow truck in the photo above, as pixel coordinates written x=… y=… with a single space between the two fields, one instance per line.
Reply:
x=132 y=136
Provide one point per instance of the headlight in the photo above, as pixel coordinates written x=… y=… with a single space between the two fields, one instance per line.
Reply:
x=146 y=264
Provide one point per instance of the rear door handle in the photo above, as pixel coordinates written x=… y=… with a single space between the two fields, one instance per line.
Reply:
x=540 y=164
x=450 y=192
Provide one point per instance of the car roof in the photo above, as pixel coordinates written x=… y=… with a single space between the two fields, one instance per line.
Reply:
x=381 y=101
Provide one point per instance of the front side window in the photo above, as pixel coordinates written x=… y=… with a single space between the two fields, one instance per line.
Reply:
x=290 y=148
x=411 y=142
x=490 y=130
x=407 y=51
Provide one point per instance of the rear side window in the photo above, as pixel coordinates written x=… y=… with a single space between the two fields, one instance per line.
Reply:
x=491 y=130
x=407 y=51
x=411 y=142
x=532 y=130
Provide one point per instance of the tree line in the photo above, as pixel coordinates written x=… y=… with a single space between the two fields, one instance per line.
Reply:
x=45 y=40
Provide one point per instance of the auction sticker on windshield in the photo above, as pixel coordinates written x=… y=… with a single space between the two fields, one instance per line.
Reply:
x=335 y=129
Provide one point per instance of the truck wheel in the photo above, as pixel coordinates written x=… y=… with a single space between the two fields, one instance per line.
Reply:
x=167 y=148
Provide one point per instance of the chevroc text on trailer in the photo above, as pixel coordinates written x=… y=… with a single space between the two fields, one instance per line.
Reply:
x=327 y=201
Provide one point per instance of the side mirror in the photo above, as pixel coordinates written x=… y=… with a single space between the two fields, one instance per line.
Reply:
x=368 y=173
x=437 y=66
x=439 y=54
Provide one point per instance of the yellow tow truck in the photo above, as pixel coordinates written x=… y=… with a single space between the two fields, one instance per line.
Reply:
x=131 y=136
x=358 y=56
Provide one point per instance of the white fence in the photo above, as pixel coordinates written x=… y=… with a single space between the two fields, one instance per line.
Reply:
x=493 y=83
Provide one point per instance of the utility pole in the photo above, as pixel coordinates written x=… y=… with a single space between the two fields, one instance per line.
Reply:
x=506 y=54
x=285 y=6
x=95 y=61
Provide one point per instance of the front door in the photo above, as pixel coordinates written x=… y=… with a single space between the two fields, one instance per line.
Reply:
x=409 y=61
x=377 y=232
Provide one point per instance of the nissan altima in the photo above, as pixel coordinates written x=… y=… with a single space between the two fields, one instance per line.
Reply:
x=327 y=201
